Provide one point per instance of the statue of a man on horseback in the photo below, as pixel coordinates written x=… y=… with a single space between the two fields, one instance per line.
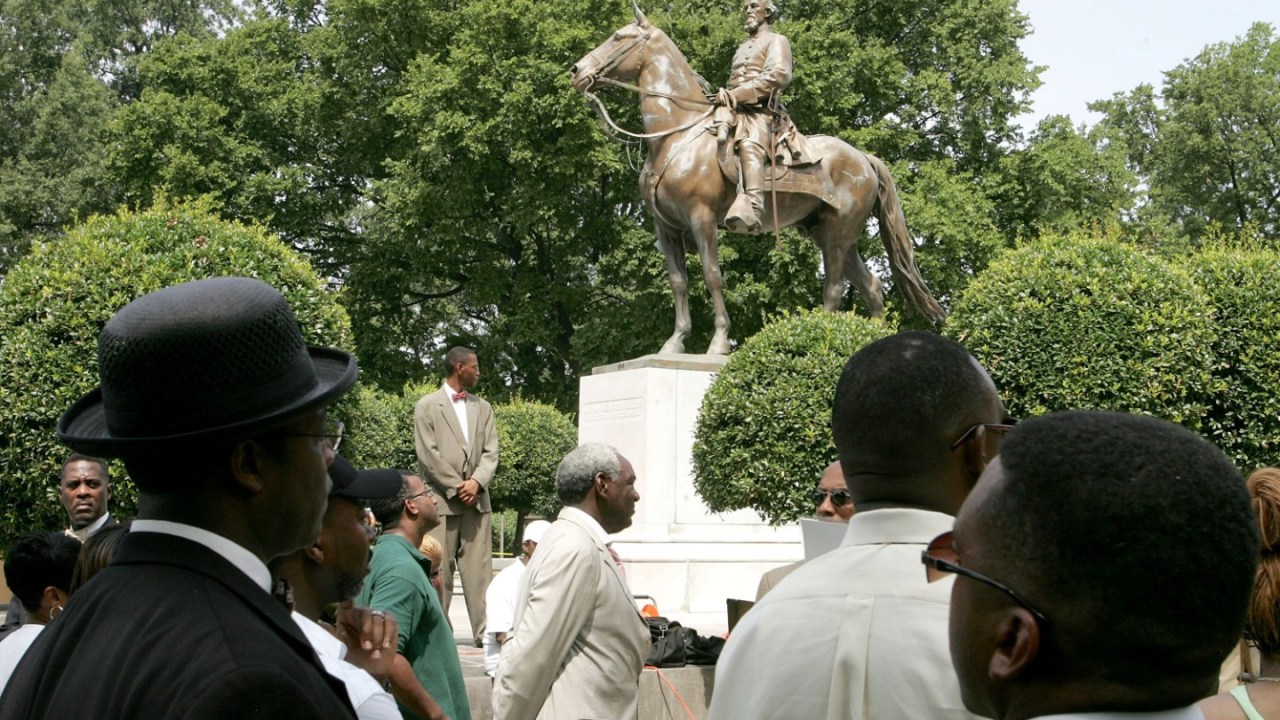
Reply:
x=752 y=115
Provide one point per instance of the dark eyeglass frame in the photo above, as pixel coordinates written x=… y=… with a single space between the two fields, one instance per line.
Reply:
x=334 y=431
x=428 y=492
x=839 y=496
x=1004 y=426
x=935 y=568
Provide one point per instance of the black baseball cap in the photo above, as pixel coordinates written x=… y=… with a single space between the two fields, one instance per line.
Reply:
x=362 y=484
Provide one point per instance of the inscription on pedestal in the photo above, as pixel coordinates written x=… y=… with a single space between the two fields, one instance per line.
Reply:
x=612 y=411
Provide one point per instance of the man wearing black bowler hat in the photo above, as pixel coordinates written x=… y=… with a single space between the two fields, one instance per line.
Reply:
x=217 y=407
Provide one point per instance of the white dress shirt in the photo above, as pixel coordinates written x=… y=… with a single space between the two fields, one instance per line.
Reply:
x=247 y=562
x=459 y=409
x=13 y=647
x=500 y=612
x=367 y=696
x=855 y=634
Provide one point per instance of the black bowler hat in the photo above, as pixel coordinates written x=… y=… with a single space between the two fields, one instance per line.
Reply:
x=210 y=359
x=362 y=484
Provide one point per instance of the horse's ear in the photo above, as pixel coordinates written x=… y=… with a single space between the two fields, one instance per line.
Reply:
x=641 y=20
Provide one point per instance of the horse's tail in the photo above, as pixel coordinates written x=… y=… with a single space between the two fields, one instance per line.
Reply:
x=897 y=245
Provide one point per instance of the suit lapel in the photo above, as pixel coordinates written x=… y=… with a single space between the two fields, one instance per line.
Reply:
x=608 y=560
x=445 y=408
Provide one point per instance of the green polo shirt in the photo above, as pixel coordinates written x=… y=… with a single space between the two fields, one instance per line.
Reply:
x=398 y=584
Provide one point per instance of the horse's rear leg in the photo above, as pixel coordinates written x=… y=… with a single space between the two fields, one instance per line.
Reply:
x=837 y=238
x=703 y=229
x=672 y=244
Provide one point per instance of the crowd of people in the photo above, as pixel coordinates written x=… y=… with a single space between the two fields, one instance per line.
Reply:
x=1080 y=564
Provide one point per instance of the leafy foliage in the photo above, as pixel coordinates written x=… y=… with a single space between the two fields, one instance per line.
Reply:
x=55 y=301
x=764 y=432
x=1243 y=417
x=1083 y=322
x=533 y=438
x=1208 y=146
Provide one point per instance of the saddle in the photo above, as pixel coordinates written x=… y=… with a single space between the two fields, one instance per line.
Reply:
x=810 y=179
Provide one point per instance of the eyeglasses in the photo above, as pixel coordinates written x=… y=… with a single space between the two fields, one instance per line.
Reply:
x=1004 y=426
x=428 y=492
x=839 y=496
x=333 y=432
x=941 y=559
x=372 y=527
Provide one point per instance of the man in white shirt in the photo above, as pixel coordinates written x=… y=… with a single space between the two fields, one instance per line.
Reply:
x=217 y=406
x=500 y=600
x=832 y=503
x=1102 y=567
x=331 y=571
x=858 y=633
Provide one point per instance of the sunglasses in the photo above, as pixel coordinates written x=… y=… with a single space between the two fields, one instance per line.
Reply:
x=940 y=559
x=838 y=497
x=1003 y=426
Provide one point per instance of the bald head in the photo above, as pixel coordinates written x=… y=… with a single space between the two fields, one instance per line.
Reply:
x=901 y=403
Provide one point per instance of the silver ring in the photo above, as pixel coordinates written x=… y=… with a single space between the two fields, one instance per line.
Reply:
x=378 y=613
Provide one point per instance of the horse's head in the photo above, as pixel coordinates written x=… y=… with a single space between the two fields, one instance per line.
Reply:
x=620 y=57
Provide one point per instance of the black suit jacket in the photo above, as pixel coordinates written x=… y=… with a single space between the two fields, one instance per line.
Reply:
x=172 y=630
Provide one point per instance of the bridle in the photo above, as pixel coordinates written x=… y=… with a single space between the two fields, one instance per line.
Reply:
x=640 y=41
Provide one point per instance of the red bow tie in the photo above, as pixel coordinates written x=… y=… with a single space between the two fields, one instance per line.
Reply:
x=461 y=395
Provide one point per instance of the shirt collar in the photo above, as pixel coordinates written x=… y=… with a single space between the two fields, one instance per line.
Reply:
x=589 y=521
x=450 y=392
x=245 y=561
x=96 y=525
x=896 y=525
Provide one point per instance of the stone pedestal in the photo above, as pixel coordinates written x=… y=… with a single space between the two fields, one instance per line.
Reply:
x=689 y=559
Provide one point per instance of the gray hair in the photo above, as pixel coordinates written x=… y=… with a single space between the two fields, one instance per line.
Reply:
x=578 y=470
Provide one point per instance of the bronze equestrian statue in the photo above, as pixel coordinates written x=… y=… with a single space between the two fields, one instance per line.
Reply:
x=691 y=178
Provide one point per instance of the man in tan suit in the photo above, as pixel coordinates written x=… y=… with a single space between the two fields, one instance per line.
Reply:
x=578 y=643
x=457 y=446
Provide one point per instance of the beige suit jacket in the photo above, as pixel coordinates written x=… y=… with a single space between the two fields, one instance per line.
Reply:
x=579 y=644
x=446 y=458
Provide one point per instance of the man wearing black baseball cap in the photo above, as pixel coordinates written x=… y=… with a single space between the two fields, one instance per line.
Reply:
x=217 y=407
x=361 y=648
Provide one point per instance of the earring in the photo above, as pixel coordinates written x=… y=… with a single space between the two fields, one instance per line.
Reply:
x=55 y=612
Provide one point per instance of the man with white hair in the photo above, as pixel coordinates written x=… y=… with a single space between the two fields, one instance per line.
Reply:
x=579 y=644
x=500 y=599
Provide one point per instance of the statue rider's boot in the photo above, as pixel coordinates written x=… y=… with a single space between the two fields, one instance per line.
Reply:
x=745 y=213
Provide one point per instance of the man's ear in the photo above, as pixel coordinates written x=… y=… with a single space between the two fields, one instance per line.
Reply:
x=315 y=553
x=247 y=465
x=974 y=452
x=601 y=484
x=52 y=597
x=1017 y=645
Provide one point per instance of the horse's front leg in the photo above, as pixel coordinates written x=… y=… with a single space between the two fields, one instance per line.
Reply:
x=703 y=229
x=671 y=242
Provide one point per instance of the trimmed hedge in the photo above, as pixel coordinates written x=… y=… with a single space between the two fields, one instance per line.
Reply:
x=533 y=438
x=1080 y=322
x=764 y=432
x=1244 y=410
x=55 y=301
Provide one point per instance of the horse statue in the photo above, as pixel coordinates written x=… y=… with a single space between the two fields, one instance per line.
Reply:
x=688 y=185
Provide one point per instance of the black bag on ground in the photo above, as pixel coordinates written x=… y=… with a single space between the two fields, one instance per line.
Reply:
x=673 y=645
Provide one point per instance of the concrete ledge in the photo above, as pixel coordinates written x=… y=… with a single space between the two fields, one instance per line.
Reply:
x=683 y=361
x=664 y=693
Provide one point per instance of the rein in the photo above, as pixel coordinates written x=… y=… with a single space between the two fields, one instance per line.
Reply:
x=604 y=114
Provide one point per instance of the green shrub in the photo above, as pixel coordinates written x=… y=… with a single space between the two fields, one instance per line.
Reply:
x=55 y=301
x=1244 y=411
x=532 y=438
x=764 y=432
x=380 y=428
x=1078 y=322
